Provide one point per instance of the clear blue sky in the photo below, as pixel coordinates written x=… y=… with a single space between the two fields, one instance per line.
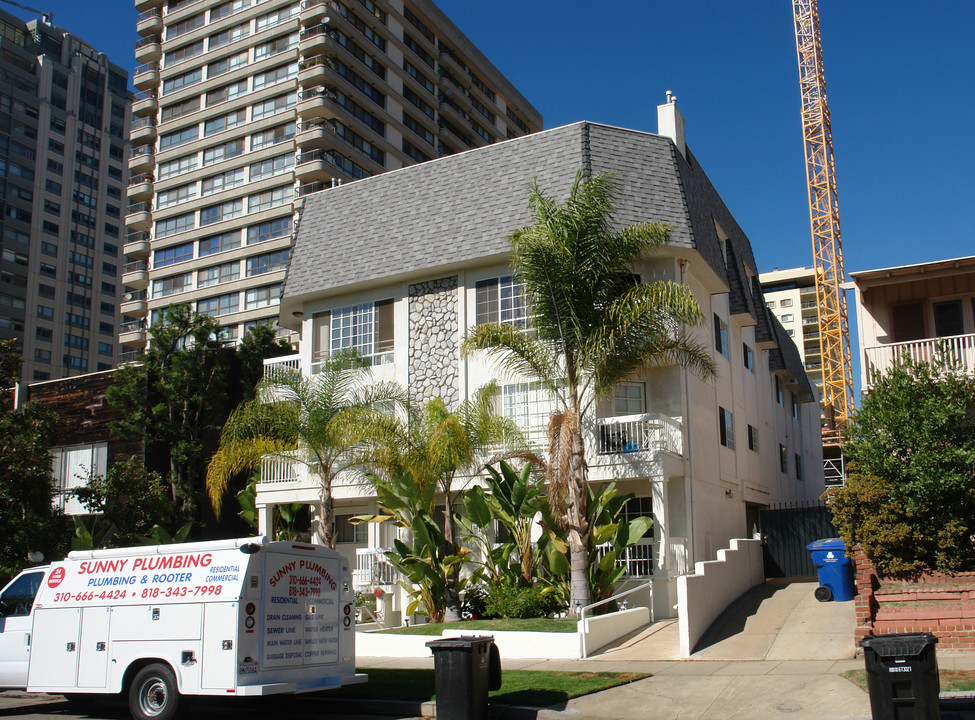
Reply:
x=900 y=82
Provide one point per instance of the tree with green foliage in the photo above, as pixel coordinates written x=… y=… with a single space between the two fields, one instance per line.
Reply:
x=909 y=500
x=320 y=421
x=592 y=326
x=130 y=499
x=175 y=401
x=28 y=520
x=435 y=446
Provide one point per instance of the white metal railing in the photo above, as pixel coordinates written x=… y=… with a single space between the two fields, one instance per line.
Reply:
x=637 y=559
x=276 y=364
x=372 y=568
x=678 y=556
x=834 y=471
x=648 y=586
x=280 y=470
x=880 y=358
x=636 y=433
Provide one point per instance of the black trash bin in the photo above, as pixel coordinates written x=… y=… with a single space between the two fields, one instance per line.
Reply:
x=462 y=674
x=902 y=676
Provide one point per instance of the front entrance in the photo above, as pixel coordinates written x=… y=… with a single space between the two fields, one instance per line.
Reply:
x=786 y=530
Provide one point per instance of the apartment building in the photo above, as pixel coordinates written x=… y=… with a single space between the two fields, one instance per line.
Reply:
x=703 y=457
x=909 y=309
x=64 y=110
x=246 y=106
x=791 y=296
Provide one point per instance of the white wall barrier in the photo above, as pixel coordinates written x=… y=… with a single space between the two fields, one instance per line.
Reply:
x=715 y=584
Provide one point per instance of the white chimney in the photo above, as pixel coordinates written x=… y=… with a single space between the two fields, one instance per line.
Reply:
x=670 y=123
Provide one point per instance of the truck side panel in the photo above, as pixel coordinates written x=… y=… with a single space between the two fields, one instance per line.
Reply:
x=158 y=622
x=54 y=649
x=93 y=658
x=220 y=646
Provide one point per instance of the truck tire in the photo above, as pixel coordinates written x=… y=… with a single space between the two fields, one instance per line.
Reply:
x=153 y=694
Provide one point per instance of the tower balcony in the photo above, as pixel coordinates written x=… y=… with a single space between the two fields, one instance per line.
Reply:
x=148 y=49
x=311 y=166
x=142 y=131
x=150 y=22
x=314 y=71
x=314 y=40
x=314 y=133
x=138 y=216
x=313 y=12
x=145 y=103
x=136 y=245
x=132 y=334
x=135 y=274
x=146 y=76
x=135 y=303
x=142 y=160
x=143 y=5
x=317 y=102
x=140 y=188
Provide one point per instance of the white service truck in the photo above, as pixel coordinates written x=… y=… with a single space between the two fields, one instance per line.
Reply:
x=230 y=618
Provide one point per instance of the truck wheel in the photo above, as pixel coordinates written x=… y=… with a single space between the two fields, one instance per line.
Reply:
x=153 y=694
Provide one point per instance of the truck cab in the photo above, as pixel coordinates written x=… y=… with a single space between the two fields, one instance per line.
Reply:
x=16 y=603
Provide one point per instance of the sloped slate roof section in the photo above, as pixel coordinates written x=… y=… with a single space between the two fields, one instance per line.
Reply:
x=764 y=332
x=649 y=187
x=451 y=210
x=786 y=357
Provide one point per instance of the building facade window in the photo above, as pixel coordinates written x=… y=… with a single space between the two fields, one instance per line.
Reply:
x=753 y=438
x=502 y=300
x=726 y=425
x=628 y=399
x=748 y=357
x=721 y=336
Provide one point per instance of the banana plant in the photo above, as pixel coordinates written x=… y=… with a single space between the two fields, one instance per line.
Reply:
x=609 y=537
x=514 y=500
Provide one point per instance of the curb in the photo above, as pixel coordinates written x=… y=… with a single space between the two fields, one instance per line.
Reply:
x=428 y=709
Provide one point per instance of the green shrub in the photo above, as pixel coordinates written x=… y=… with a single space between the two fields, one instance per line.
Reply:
x=512 y=601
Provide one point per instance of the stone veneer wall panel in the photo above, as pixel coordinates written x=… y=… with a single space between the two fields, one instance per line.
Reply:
x=434 y=341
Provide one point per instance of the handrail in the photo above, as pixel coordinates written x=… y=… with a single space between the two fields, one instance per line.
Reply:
x=582 y=613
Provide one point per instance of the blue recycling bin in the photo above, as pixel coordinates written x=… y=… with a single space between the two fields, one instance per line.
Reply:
x=834 y=568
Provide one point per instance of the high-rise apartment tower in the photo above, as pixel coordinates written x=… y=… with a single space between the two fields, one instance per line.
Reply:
x=246 y=106
x=64 y=112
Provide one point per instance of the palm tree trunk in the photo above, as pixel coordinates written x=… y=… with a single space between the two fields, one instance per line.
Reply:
x=578 y=525
x=451 y=595
x=324 y=533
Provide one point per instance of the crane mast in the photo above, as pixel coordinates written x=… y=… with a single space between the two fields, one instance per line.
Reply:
x=824 y=219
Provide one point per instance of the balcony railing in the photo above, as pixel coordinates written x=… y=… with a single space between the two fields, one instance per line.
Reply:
x=960 y=348
x=279 y=365
x=372 y=568
x=678 y=556
x=638 y=433
x=637 y=559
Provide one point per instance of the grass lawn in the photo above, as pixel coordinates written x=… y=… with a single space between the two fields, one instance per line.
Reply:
x=951 y=680
x=518 y=687
x=528 y=625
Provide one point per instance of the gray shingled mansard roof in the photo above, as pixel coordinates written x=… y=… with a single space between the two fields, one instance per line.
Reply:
x=458 y=210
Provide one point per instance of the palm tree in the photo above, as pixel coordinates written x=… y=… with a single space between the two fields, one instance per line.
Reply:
x=435 y=444
x=320 y=420
x=592 y=325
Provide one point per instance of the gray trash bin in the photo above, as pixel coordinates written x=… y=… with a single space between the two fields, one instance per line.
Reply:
x=462 y=673
x=902 y=676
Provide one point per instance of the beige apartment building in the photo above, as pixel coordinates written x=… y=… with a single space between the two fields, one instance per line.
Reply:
x=247 y=106
x=791 y=296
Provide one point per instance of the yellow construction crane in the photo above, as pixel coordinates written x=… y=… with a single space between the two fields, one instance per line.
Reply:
x=824 y=219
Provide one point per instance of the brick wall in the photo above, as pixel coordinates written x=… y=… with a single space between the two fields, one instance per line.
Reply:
x=940 y=604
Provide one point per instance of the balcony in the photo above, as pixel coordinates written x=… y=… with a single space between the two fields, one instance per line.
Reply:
x=145 y=104
x=880 y=358
x=314 y=40
x=142 y=131
x=281 y=365
x=135 y=274
x=372 y=569
x=136 y=245
x=138 y=216
x=317 y=102
x=134 y=303
x=314 y=133
x=313 y=12
x=140 y=188
x=142 y=160
x=649 y=445
x=150 y=22
x=132 y=334
x=146 y=76
x=148 y=49
x=314 y=71
x=143 y=5
x=311 y=166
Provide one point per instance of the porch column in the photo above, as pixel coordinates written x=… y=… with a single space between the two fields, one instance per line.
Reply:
x=661 y=522
x=265 y=515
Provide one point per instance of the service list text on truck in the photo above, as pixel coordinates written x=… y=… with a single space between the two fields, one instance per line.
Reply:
x=233 y=617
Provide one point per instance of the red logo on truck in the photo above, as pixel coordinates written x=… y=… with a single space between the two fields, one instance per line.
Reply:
x=56 y=577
